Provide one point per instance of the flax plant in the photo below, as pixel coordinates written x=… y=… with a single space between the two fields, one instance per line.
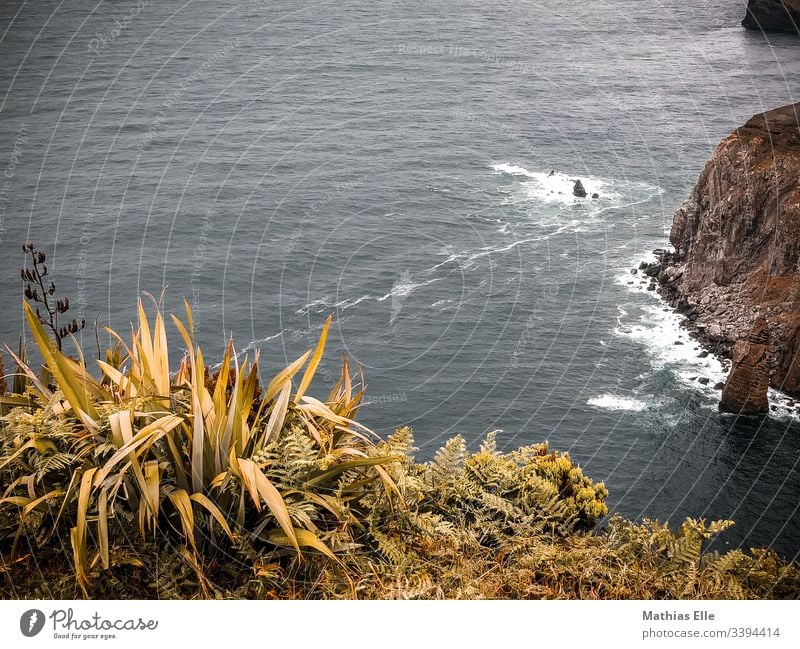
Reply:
x=208 y=463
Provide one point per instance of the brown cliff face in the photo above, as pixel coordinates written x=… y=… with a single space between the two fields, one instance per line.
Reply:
x=745 y=391
x=737 y=243
x=773 y=15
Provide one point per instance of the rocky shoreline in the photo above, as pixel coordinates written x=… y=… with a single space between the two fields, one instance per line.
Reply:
x=660 y=279
x=709 y=343
x=734 y=270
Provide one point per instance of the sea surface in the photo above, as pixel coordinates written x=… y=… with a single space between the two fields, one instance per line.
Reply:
x=389 y=162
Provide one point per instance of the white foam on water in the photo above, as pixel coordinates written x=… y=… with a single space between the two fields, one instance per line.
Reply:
x=444 y=304
x=658 y=329
x=319 y=303
x=615 y=402
x=467 y=259
x=351 y=301
x=406 y=288
x=556 y=188
x=566 y=211
x=669 y=344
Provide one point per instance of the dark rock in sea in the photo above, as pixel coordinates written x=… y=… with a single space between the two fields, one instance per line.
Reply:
x=703 y=380
x=745 y=390
x=651 y=287
x=677 y=342
x=719 y=386
x=643 y=265
x=578 y=189
x=595 y=195
x=634 y=271
x=703 y=354
x=773 y=15
x=652 y=270
x=737 y=245
x=692 y=378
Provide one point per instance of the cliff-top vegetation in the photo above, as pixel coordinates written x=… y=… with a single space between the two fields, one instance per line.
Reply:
x=126 y=477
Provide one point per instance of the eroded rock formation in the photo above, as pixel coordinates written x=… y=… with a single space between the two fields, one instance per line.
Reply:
x=737 y=245
x=745 y=391
x=773 y=15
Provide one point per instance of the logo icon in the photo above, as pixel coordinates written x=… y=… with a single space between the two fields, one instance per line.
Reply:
x=31 y=622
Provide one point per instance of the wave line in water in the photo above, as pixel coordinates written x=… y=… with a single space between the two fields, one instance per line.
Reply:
x=614 y=402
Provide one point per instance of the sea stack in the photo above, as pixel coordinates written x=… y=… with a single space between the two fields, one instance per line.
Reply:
x=737 y=249
x=773 y=15
x=578 y=189
x=745 y=391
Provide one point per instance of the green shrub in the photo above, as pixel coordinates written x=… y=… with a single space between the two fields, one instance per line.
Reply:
x=154 y=483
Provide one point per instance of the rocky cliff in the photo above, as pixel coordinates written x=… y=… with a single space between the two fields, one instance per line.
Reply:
x=773 y=15
x=737 y=246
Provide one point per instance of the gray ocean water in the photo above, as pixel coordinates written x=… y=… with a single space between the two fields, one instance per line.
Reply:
x=388 y=162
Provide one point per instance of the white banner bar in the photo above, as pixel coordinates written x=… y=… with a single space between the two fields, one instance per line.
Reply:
x=416 y=625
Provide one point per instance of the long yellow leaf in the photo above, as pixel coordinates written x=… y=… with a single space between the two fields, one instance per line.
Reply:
x=102 y=527
x=314 y=362
x=198 y=439
x=271 y=497
x=147 y=435
x=304 y=538
x=79 y=539
x=323 y=476
x=151 y=490
x=161 y=355
x=180 y=499
x=56 y=493
x=211 y=508
x=43 y=389
x=126 y=389
x=287 y=373
x=80 y=559
x=73 y=391
x=278 y=414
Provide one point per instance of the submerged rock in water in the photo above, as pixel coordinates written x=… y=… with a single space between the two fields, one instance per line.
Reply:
x=745 y=391
x=578 y=189
x=595 y=195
